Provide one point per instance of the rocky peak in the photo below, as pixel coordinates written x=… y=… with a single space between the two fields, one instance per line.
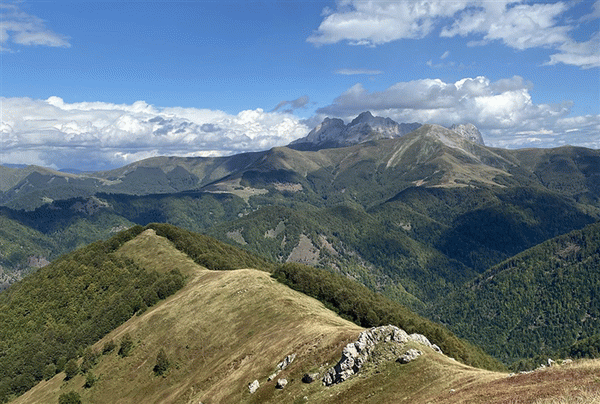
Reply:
x=332 y=132
x=469 y=132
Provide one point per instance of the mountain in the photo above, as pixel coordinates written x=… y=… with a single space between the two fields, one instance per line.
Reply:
x=334 y=133
x=223 y=327
x=222 y=330
x=415 y=217
x=538 y=302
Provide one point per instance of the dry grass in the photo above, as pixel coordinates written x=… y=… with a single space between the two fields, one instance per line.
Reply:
x=225 y=329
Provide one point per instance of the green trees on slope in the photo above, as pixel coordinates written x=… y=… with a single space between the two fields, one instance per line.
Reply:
x=48 y=318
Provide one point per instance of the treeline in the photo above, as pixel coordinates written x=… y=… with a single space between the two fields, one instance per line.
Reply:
x=207 y=251
x=52 y=315
x=357 y=303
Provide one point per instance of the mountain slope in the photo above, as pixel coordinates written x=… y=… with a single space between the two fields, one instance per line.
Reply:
x=540 y=301
x=225 y=329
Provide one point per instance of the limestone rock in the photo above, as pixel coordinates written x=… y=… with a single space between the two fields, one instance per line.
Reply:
x=355 y=354
x=409 y=356
x=252 y=387
x=286 y=362
x=281 y=383
x=468 y=131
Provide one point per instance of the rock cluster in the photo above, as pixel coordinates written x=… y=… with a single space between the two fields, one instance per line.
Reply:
x=356 y=354
x=409 y=356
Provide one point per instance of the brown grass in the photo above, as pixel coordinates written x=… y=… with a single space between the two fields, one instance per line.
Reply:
x=225 y=329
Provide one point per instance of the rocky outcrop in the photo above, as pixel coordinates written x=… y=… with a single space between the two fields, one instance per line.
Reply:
x=334 y=133
x=281 y=383
x=469 y=132
x=356 y=354
x=252 y=387
x=286 y=362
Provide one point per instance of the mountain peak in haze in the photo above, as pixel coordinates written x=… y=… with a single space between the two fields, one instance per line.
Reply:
x=468 y=131
x=332 y=132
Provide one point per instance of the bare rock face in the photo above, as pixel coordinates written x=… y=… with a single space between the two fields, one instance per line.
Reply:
x=356 y=354
x=469 y=132
x=363 y=128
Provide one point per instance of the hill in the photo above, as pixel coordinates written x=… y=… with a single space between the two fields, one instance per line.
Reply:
x=225 y=329
x=543 y=300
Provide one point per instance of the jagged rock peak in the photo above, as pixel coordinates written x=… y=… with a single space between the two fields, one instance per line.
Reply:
x=468 y=131
x=332 y=132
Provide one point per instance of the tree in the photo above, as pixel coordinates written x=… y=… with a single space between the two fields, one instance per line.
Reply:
x=49 y=371
x=72 y=397
x=162 y=362
x=71 y=369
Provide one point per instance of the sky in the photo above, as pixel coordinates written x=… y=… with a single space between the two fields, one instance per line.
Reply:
x=94 y=85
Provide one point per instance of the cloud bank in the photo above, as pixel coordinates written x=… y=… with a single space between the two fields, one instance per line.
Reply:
x=97 y=135
x=517 y=24
x=503 y=110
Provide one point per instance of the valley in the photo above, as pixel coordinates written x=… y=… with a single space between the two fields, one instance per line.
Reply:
x=493 y=248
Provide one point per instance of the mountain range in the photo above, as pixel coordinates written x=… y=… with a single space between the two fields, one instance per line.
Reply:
x=431 y=218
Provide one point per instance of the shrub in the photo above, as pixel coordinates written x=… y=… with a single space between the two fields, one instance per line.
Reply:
x=71 y=369
x=72 y=397
x=162 y=363
x=126 y=345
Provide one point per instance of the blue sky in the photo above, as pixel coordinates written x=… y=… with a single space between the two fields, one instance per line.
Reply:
x=99 y=84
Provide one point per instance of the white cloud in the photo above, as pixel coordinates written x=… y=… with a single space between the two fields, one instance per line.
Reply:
x=583 y=54
x=378 y=22
x=18 y=27
x=503 y=110
x=517 y=24
x=96 y=135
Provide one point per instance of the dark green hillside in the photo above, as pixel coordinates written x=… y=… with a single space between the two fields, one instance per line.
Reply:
x=348 y=240
x=480 y=227
x=538 y=302
x=22 y=249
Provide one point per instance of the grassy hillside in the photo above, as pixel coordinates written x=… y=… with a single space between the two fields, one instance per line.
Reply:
x=224 y=329
x=536 y=303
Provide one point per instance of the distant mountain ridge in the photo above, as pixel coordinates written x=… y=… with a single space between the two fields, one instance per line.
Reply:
x=332 y=132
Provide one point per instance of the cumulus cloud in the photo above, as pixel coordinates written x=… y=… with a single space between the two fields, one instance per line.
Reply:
x=503 y=110
x=517 y=24
x=97 y=135
x=18 y=27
